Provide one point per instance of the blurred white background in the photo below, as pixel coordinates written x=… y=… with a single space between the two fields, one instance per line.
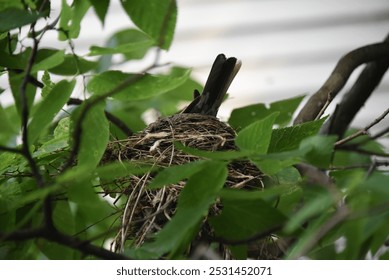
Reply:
x=288 y=47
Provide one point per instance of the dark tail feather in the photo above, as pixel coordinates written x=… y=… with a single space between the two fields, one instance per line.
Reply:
x=222 y=73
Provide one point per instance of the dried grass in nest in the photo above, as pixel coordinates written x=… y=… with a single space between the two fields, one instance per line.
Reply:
x=147 y=211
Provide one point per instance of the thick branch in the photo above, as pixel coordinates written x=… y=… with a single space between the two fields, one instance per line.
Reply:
x=338 y=78
x=356 y=97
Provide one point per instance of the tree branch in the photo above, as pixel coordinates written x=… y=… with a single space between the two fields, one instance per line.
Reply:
x=356 y=97
x=112 y=118
x=338 y=78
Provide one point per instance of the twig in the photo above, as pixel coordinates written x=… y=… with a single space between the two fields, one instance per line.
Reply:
x=339 y=77
x=113 y=119
x=363 y=131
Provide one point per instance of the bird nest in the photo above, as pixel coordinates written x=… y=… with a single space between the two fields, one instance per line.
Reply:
x=146 y=211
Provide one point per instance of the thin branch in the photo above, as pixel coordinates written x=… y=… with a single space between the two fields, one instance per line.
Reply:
x=363 y=131
x=113 y=119
x=339 y=77
x=355 y=148
x=11 y=150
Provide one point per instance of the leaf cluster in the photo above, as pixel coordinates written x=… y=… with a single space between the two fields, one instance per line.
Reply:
x=51 y=145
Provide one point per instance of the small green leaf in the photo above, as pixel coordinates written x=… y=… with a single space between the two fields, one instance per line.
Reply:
x=72 y=65
x=242 y=117
x=123 y=49
x=71 y=17
x=157 y=18
x=289 y=138
x=11 y=18
x=101 y=8
x=148 y=86
x=176 y=173
x=47 y=84
x=256 y=136
x=48 y=108
x=193 y=203
x=94 y=136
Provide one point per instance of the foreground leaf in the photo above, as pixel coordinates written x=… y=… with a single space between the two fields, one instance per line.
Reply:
x=48 y=108
x=157 y=18
x=193 y=203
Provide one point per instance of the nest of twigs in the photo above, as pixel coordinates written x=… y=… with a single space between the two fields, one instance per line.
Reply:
x=147 y=211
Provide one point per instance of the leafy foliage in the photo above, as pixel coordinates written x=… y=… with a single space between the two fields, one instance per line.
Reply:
x=51 y=146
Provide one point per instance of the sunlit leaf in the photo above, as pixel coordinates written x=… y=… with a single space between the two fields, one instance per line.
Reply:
x=157 y=18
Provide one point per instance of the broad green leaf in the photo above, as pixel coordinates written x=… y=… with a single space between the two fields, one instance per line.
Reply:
x=94 y=136
x=242 y=117
x=16 y=80
x=72 y=65
x=157 y=18
x=148 y=86
x=176 y=173
x=256 y=136
x=193 y=203
x=321 y=202
x=48 y=108
x=289 y=138
x=123 y=49
x=243 y=218
x=101 y=8
x=11 y=18
x=7 y=128
x=48 y=58
x=321 y=149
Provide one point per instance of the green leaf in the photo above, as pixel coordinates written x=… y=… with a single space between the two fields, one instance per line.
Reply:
x=157 y=18
x=11 y=18
x=59 y=142
x=73 y=65
x=256 y=136
x=123 y=49
x=289 y=138
x=198 y=195
x=48 y=108
x=16 y=80
x=7 y=128
x=71 y=17
x=116 y=170
x=94 y=136
x=320 y=149
x=242 y=117
x=47 y=84
x=101 y=8
x=319 y=202
x=242 y=218
x=176 y=173
x=48 y=58
x=148 y=86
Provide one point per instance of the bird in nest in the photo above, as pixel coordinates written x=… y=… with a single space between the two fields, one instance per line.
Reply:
x=222 y=73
